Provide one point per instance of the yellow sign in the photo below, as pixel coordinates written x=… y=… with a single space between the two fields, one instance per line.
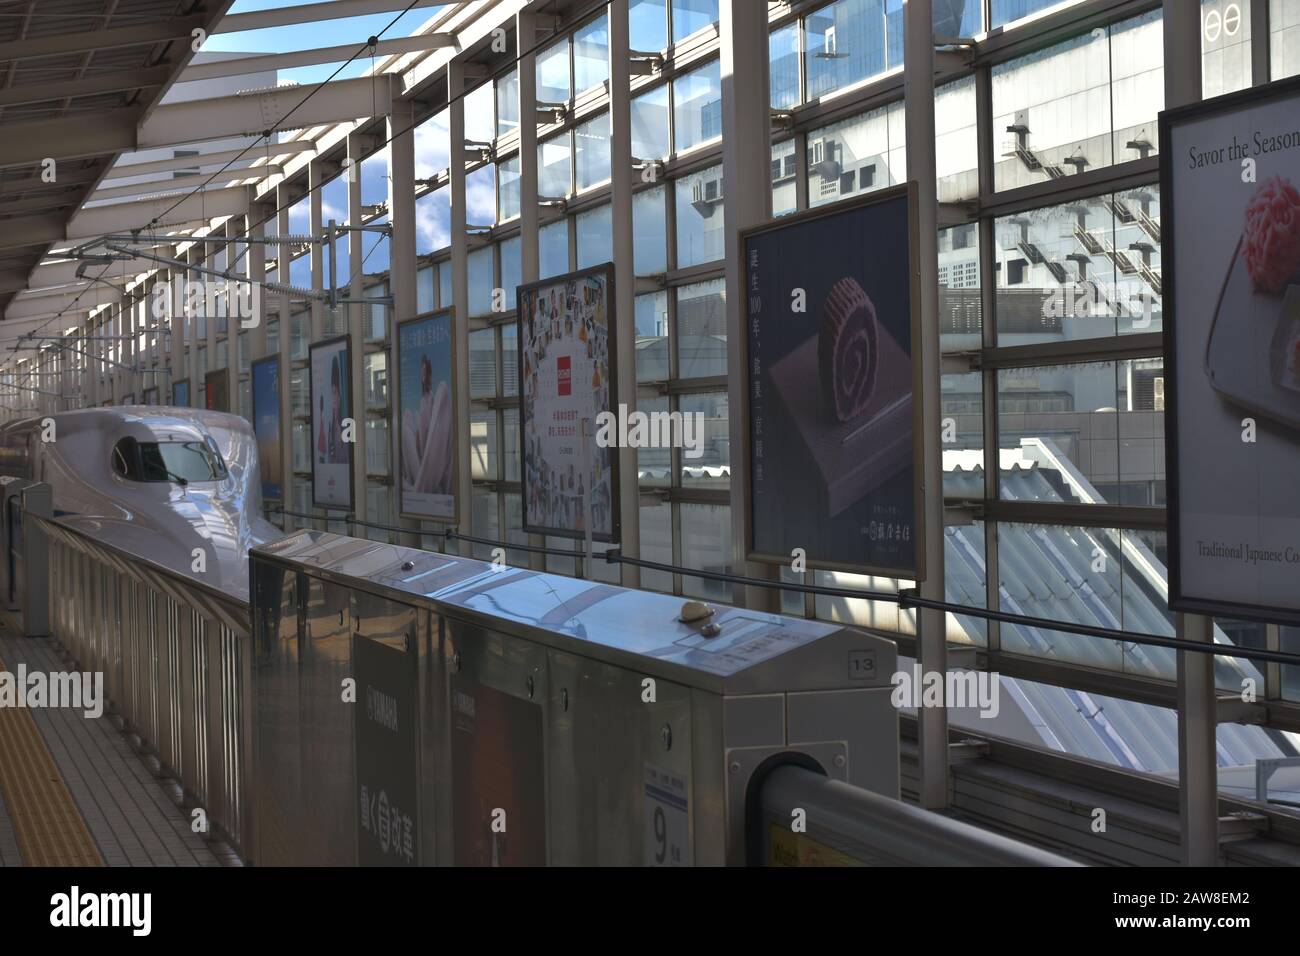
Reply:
x=798 y=849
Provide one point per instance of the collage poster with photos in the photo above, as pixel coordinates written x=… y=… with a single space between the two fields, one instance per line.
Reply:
x=566 y=365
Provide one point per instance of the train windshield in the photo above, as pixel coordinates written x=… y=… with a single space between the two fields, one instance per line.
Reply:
x=176 y=461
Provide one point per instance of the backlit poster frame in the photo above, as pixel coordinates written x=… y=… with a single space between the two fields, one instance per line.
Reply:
x=1231 y=346
x=340 y=345
x=839 y=307
x=216 y=390
x=566 y=333
x=407 y=416
x=268 y=451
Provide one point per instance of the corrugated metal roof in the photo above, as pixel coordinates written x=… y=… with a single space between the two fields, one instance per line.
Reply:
x=1047 y=571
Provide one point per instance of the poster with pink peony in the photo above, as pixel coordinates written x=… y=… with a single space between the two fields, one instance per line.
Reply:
x=1230 y=195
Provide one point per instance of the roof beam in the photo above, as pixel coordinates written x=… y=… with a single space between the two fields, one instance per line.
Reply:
x=249 y=114
x=145 y=34
x=149 y=215
x=45 y=203
x=313 y=12
x=86 y=297
x=31 y=231
x=12 y=280
x=471 y=24
x=194 y=121
x=69 y=137
x=180 y=184
x=397 y=46
x=221 y=157
x=154 y=215
x=117 y=81
x=14 y=185
x=64 y=273
x=14 y=329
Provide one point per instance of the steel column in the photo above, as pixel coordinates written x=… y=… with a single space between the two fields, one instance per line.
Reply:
x=356 y=327
x=621 y=181
x=401 y=278
x=931 y=631
x=1198 y=798
x=747 y=202
x=529 y=211
x=460 y=292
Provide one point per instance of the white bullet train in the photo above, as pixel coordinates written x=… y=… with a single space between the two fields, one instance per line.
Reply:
x=158 y=482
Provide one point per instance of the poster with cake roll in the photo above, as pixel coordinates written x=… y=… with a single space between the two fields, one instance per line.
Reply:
x=830 y=312
x=1230 y=198
x=566 y=380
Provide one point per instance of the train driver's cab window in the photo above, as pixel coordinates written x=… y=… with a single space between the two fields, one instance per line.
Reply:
x=179 y=462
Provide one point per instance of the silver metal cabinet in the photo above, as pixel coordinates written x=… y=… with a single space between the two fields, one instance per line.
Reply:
x=503 y=716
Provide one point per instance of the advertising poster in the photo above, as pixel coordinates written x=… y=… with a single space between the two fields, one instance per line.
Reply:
x=566 y=379
x=426 y=399
x=266 y=424
x=834 y=455
x=1230 y=198
x=181 y=393
x=331 y=456
x=217 y=390
x=498 y=776
x=384 y=720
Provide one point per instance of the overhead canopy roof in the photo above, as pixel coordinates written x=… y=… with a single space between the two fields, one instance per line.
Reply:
x=114 y=93
x=76 y=78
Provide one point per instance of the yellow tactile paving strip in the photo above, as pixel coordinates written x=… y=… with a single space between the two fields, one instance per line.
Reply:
x=48 y=826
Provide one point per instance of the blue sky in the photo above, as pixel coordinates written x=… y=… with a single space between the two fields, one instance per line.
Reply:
x=306 y=36
x=433 y=211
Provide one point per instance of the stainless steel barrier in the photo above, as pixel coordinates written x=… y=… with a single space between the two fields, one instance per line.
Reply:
x=24 y=592
x=417 y=708
x=381 y=705
x=800 y=817
x=176 y=669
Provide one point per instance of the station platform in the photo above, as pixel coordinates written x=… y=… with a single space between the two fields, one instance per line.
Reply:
x=75 y=792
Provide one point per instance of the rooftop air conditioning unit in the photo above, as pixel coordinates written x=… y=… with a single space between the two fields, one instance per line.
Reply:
x=830 y=49
x=821 y=158
x=705 y=195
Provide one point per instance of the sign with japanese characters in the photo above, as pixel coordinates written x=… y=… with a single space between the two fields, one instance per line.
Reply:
x=387 y=759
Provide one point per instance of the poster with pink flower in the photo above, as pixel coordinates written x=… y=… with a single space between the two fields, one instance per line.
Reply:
x=1230 y=195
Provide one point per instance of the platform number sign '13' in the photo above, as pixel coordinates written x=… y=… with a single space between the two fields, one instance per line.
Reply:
x=667 y=818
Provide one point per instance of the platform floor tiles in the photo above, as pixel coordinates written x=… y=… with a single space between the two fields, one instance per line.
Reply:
x=74 y=793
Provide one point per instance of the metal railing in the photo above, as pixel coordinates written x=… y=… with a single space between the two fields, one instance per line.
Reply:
x=846 y=825
x=176 y=662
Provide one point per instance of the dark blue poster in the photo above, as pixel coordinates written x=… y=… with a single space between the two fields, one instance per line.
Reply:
x=833 y=455
x=181 y=394
x=266 y=424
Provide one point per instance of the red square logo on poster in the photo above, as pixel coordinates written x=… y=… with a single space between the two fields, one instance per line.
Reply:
x=565 y=375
